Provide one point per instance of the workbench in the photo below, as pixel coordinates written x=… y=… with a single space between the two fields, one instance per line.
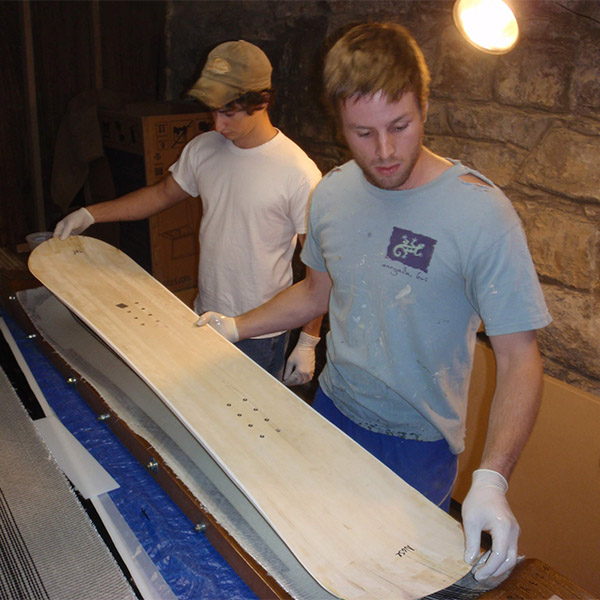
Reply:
x=183 y=555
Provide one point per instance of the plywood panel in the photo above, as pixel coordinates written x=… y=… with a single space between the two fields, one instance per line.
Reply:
x=64 y=67
x=16 y=206
x=555 y=488
x=133 y=47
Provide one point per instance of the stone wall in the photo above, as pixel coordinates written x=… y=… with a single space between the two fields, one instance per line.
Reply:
x=529 y=120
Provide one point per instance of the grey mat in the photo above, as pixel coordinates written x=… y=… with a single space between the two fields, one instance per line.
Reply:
x=49 y=549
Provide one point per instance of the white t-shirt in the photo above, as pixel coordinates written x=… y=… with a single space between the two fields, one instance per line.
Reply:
x=254 y=203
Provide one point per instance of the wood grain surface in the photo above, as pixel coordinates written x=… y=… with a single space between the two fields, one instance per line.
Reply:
x=355 y=526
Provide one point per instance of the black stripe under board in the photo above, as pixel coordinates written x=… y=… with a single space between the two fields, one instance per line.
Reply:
x=19 y=382
x=19 y=577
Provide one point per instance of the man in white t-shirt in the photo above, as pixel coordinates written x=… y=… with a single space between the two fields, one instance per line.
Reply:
x=255 y=185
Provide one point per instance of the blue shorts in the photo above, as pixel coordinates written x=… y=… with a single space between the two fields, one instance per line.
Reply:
x=429 y=467
x=269 y=352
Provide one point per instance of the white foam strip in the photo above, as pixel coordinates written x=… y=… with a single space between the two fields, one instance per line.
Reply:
x=82 y=469
x=148 y=579
x=35 y=388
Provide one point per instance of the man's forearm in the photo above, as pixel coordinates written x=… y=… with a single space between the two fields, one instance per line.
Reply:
x=303 y=303
x=139 y=204
x=313 y=327
x=519 y=382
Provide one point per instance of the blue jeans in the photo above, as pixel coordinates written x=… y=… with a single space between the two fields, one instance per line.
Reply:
x=429 y=467
x=269 y=353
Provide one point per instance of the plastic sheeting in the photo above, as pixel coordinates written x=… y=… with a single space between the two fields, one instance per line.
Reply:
x=187 y=561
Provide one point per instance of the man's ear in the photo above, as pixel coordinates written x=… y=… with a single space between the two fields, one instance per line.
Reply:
x=259 y=108
x=426 y=111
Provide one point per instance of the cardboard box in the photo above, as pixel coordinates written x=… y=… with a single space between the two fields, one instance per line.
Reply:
x=142 y=142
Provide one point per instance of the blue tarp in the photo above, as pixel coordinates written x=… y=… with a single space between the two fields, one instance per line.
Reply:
x=187 y=561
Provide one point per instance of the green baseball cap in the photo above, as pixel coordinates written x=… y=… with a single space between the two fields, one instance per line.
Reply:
x=232 y=69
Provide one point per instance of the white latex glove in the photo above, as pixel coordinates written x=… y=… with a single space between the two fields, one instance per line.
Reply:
x=74 y=224
x=221 y=324
x=485 y=509
x=300 y=366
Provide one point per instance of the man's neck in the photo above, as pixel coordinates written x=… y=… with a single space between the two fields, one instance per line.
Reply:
x=430 y=166
x=263 y=132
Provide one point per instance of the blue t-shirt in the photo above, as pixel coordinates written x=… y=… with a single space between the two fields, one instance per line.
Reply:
x=414 y=273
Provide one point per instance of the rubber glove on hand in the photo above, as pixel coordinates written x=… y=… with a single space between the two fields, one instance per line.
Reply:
x=486 y=509
x=221 y=324
x=74 y=224
x=300 y=366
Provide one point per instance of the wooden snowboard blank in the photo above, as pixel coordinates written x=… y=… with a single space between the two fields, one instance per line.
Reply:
x=359 y=529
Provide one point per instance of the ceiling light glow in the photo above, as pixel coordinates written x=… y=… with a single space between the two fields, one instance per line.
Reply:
x=489 y=25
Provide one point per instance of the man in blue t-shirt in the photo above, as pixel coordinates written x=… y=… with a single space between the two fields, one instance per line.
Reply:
x=410 y=252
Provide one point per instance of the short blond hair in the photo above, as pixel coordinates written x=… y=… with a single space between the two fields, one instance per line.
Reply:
x=376 y=57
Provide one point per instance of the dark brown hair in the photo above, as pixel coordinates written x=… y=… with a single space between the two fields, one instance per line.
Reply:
x=251 y=101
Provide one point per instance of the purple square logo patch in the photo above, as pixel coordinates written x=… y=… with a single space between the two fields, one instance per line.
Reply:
x=411 y=249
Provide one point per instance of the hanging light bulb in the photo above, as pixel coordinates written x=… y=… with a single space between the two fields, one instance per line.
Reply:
x=489 y=25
